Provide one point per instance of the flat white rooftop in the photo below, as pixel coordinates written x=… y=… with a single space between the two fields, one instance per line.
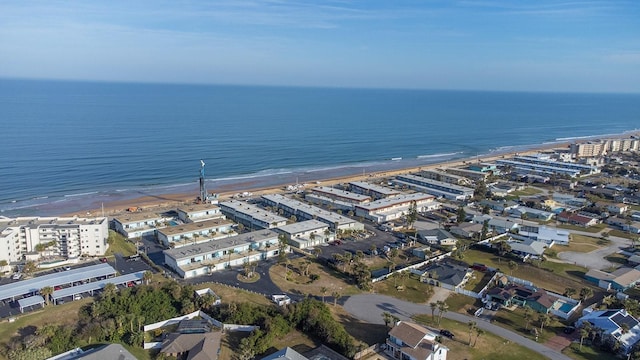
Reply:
x=341 y=193
x=253 y=211
x=48 y=221
x=213 y=246
x=190 y=228
x=303 y=226
x=308 y=209
x=399 y=200
x=375 y=188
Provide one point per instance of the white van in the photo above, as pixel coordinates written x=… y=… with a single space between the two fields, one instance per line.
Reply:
x=17 y=276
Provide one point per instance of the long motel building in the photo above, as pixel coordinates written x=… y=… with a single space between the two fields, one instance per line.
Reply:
x=251 y=215
x=304 y=211
x=199 y=212
x=336 y=198
x=306 y=234
x=443 y=176
x=137 y=224
x=393 y=208
x=195 y=232
x=206 y=258
x=65 y=237
x=375 y=191
x=434 y=187
x=540 y=163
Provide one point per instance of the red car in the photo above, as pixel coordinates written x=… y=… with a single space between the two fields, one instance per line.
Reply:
x=130 y=284
x=104 y=260
x=56 y=288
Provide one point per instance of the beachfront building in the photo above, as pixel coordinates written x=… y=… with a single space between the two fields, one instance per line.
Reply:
x=205 y=258
x=196 y=232
x=596 y=148
x=542 y=165
x=304 y=211
x=396 y=207
x=336 y=198
x=470 y=174
x=439 y=175
x=199 y=212
x=375 y=191
x=137 y=224
x=434 y=187
x=306 y=234
x=250 y=215
x=37 y=238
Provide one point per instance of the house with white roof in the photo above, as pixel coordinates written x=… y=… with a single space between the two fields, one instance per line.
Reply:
x=305 y=234
x=408 y=340
x=199 y=212
x=615 y=323
x=137 y=224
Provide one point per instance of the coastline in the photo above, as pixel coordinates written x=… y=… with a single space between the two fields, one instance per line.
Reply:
x=161 y=202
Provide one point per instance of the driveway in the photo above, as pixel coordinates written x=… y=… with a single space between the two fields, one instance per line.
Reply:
x=369 y=308
x=594 y=259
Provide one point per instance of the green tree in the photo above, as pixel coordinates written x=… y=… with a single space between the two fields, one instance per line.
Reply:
x=146 y=277
x=527 y=317
x=386 y=316
x=569 y=292
x=543 y=320
x=503 y=247
x=585 y=293
x=442 y=309
x=412 y=214
x=323 y=291
x=461 y=216
x=282 y=247
x=479 y=332
x=29 y=268
x=512 y=266
x=433 y=307
x=46 y=292
x=336 y=295
x=472 y=326
x=585 y=330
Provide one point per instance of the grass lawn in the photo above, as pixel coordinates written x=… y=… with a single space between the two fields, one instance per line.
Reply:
x=623 y=234
x=299 y=283
x=587 y=353
x=488 y=345
x=514 y=320
x=478 y=281
x=118 y=244
x=414 y=290
x=528 y=191
x=551 y=276
x=463 y=303
x=228 y=294
x=592 y=229
x=583 y=243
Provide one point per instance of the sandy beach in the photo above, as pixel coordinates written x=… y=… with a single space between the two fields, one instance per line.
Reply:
x=169 y=201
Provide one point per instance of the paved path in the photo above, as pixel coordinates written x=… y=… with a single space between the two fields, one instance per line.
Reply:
x=594 y=259
x=369 y=308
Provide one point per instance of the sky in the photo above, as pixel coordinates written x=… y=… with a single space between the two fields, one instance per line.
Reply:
x=519 y=45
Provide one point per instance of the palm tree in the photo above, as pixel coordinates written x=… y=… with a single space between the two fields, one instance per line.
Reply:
x=336 y=295
x=404 y=275
x=543 y=319
x=323 y=291
x=585 y=293
x=372 y=249
x=585 y=330
x=442 y=308
x=472 y=326
x=146 y=277
x=527 y=317
x=569 y=292
x=45 y=292
x=512 y=266
x=386 y=316
x=479 y=332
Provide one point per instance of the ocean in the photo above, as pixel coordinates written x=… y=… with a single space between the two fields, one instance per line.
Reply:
x=68 y=146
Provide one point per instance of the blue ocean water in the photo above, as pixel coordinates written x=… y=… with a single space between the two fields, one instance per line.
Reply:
x=69 y=145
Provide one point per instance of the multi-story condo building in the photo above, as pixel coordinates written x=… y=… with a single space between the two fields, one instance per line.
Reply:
x=549 y=166
x=445 y=177
x=384 y=210
x=138 y=224
x=193 y=233
x=33 y=238
x=304 y=211
x=205 y=258
x=251 y=215
x=199 y=212
x=306 y=234
x=434 y=187
x=373 y=190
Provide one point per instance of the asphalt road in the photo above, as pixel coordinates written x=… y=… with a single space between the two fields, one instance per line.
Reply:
x=369 y=308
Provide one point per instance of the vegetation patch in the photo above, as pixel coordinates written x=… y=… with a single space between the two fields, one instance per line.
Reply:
x=587 y=353
x=297 y=283
x=408 y=288
x=583 y=243
x=119 y=245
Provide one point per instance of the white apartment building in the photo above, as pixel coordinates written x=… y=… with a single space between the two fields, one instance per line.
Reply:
x=58 y=237
x=373 y=190
x=199 y=212
x=434 y=187
x=137 y=224
x=306 y=234
x=304 y=211
x=393 y=208
x=251 y=215
x=193 y=233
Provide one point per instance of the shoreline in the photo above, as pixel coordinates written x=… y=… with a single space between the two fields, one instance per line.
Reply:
x=172 y=200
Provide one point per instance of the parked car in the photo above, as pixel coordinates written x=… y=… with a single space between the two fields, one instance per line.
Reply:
x=447 y=333
x=67 y=268
x=77 y=297
x=17 y=276
x=104 y=260
x=569 y=330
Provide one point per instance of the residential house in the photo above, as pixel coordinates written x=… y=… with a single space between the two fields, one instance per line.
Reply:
x=109 y=351
x=408 y=340
x=546 y=234
x=192 y=346
x=466 y=230
x=617 y=324
x=286 y=354
x=436 y=237
x=531 y=213
x=539 y=300
x=447 y=275
x=617 y=209
x=619 y=280
x=498 y=206
x=499 y=225
x=576 y=219
x=527 y=248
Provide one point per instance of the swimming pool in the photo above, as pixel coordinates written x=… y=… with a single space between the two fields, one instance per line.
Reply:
x=566 y=307
x=173 y=223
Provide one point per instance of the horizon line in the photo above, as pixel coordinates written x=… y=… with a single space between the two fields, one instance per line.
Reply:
x=298 y=86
